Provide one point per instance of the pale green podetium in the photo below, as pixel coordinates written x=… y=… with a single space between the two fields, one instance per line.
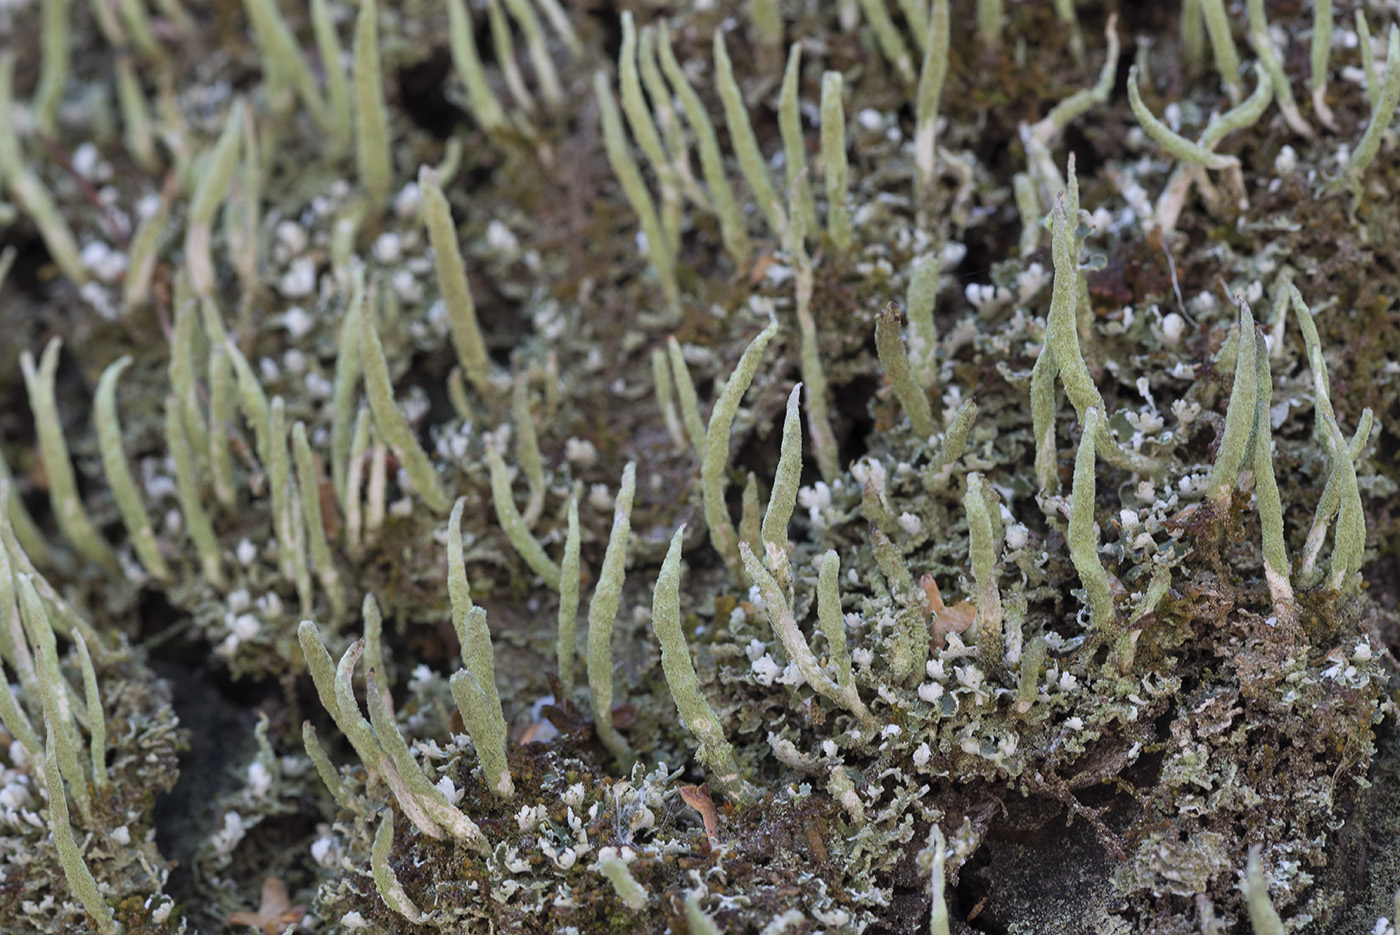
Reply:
x=699 y=718
x=119 y=477
x=887 y=37
x=602 y=611
x=784 y=624
x=388 y=885
x=1263 y=917
x=215 y=177
x=722 y=533
x=196 y=519
x=309 y=482
x=452 y=280
x=485 y=105
x=835 y=169
x=634 y=188
x=895 y=362
x=372 y=135
x=731 y=217
x=1083 y=533
x=648 y=137
x=513 y=524
x=390 y=422
x=632 y=893
x=782 y=500
x=794 y=147
x=27 y=189
x=483 y=722
x=982 y=550
x=1239 y=416
x=68 y=507
x=742 y=138
x=70 y=857
x=931 y=78
x=685 y=391
x=569 y=582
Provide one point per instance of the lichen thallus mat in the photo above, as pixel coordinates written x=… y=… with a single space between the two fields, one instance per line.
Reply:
x=1134 y=626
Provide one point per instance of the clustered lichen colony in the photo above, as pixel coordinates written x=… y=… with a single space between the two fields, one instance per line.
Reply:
x=949 y=600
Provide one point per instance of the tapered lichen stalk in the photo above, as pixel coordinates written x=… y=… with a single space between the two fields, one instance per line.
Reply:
x=26 y=188
x=1382 y=111
x=639 y=117
x=1368 y=54
x=602 y=611
x=483 y=722
x=283 y=62
x=887 y=37
x=474 y=688
x=1080 y=102
x=742 y=138
x=385 y=881
x=895 y=363
x=210 y=191
x=1268 y=57
x=309 y=483
x=70 y=857
x=452 y=280
x=634 y=188
x=1319 y=50
x=382 y=748
x=794 y=146
x=1246 y=114
x=67 y=506
x=390 y=422
x=503 y=43
x=569 y=583
x=196 y=519
x=1062 y=340
x=1083 y=533
x=536 y=46
x=923 y=331
x=786 y=479
x=931 y=78
x=344 y=391
x=699 y=718
x=784 y=624
x=833 y=622
x=982 y=551
x=1263 y=917
x=804 y=281
x=938 y=911
x=733 y=232
x=484 y=103
x=1222 y=44
x=1173 y=143
x=632 y=893
x=834 y=166
x=1349 y=540
x=1276 y=566
x=722 y=534
x=513 y=524
x=280 y=485
x=372 y=134
x=119 y=478
x=340 y=110
x=56 y=54
x=1239 y=416
x=685 y=391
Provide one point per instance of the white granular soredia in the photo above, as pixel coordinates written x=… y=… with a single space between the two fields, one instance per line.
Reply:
x=300 y=280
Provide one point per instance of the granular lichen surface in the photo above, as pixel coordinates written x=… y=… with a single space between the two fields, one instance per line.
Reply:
x=868 y=467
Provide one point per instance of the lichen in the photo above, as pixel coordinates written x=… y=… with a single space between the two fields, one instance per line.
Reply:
x=883 y=631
